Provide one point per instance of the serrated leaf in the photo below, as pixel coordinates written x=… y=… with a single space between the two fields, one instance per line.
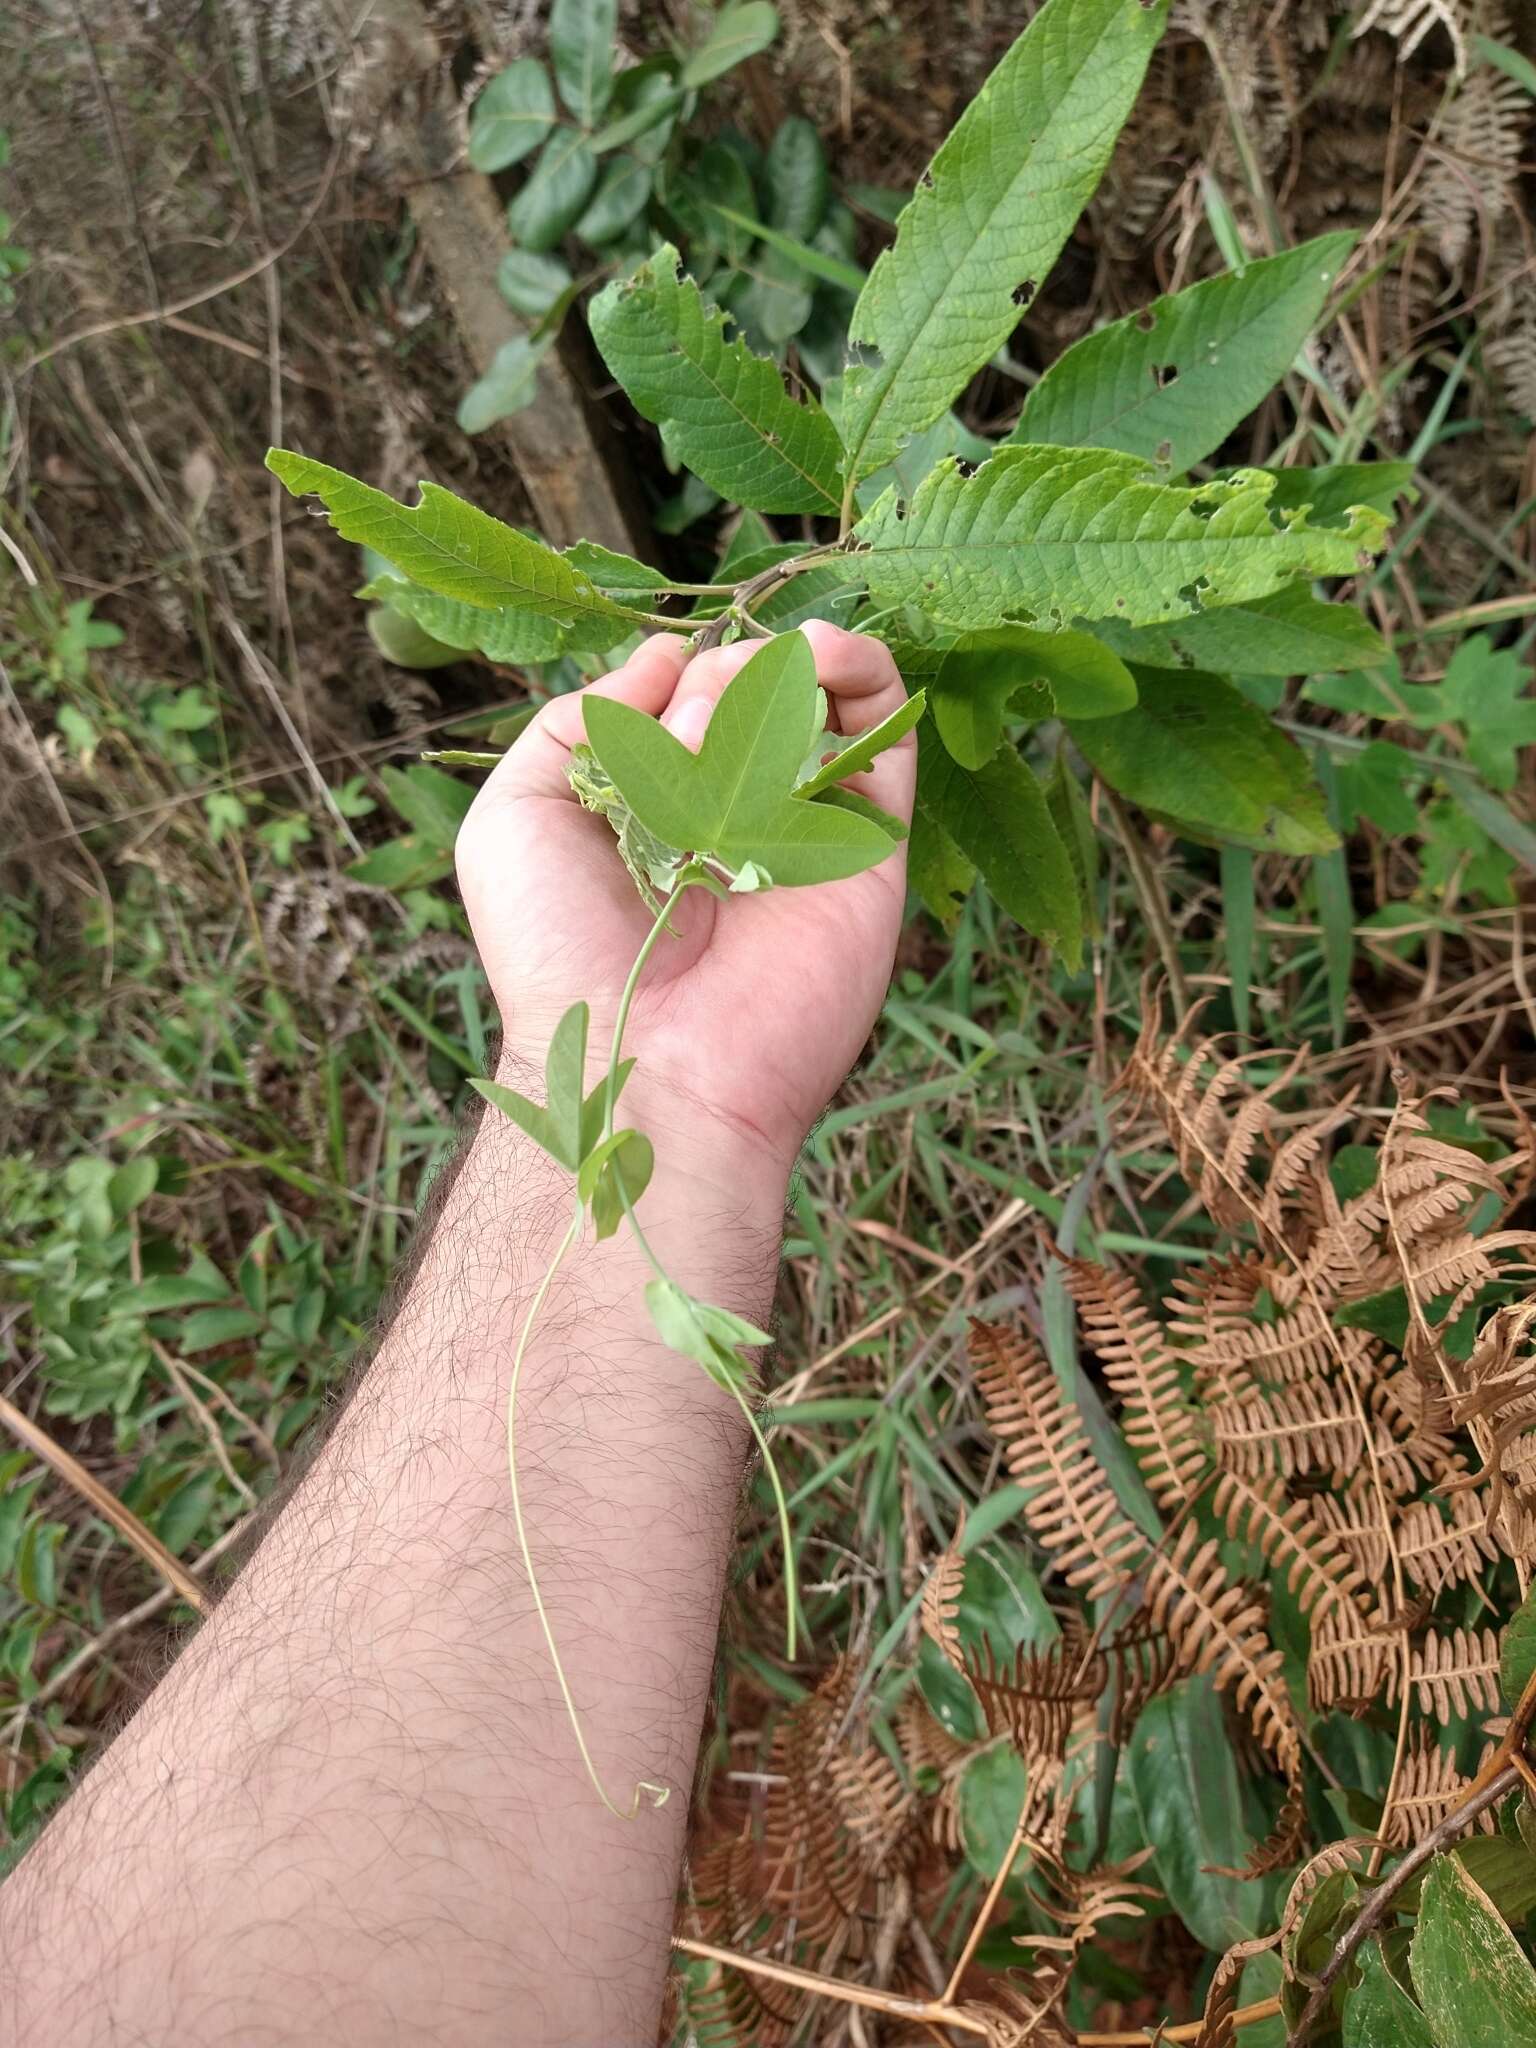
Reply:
x=858 y=755
x=981 y=679
x=530 y=281
x=454 y=549
x=581 y=44
x=1291 y=633
x=1053 y=535
x=991 y=215
x=1379 y=2013
x=736 y=34
x=1171 y=382
x=998 y=818
x=724 y=411
x=1473 y=1979
x=733 y=798
x=508 y=385
x=558 y=187
x=1197 y=753
x=512 y=116
x=620 y=198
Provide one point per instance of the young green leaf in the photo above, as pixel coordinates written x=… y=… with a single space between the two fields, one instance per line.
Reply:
x=568 y=1124
x=557 y=189
x=796 y=171
x=620 y=198
x=400 y=639
x=508 y=385
x=432 y=803
x=1171 y=382
x=581 y=43
x=645 y=105
x=624 y=1157
x=990 y=216
x=1291 y=633
x=980 y=679
x=530 y=281
x=460 y=552
x=723 y=410
x=1474 y=1981
x=998 y=818
x=713 y=1337
x=736 y=34
x=1197 y=753
x=858 y=755
x=1379 y=2013
x=1201 y=756
x=734 y=798
x=1048 y=535
x=512 y=116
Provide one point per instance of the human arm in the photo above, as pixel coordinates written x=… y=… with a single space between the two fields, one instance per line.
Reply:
x=355 y=1810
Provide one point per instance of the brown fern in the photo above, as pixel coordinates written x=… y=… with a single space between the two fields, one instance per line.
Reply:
x=1159 y=1426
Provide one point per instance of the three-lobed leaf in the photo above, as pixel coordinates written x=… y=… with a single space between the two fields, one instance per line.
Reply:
x=1171 y=382
x=568 y=1124
x=722 y=409
x=459 y=552
x=1195 y=751
x=990 y=217
x=1473 y=1979
x=1053 y=535
x=734 y=798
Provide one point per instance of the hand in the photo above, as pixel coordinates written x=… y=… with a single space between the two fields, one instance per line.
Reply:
x=755 y=1011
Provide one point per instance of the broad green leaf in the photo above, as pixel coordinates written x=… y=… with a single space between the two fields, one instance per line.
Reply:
x=625 y=1156
x=1379 y=2013
x=1049 y=536
x=1183 y=1776
x=1513 y=63
x=723 y=410
x=1195 y=752
x=512 y=116
x=406 y=863
x=736 y=34
x=646 y=102
x=621 y=194
x=617 y=575
x=1473 y=1979
x=205 y=1328
x=1517 y=1653
x=1334 y=489
x=858 y=755
x=434 y=804
x=1291 y=633
x=850 y=800
x=990 y=216
x=557 y=189
x=581 y=43
x=531 y=282
x=938 y=872
x=733 y=798
x=796 y=171
x=460 y=552
x=989 y=1800
x=502 y=636
x=720 y=189
x=948 y=435
x=402 y=640
x=998 y=818
x=1171 y=382
x=508 y=385
x=980 y=679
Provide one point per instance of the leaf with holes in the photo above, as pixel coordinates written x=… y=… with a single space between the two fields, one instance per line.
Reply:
x=1291 y=633
x=723 y=410
x=977 y=680
x=1048 y=536
x=449 y=547
x=1171 y=382
x=990 y=216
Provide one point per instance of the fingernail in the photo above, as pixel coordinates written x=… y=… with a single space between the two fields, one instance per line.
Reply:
x=686 y=721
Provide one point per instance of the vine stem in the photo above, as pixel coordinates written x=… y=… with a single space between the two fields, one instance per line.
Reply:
x=658 y=1794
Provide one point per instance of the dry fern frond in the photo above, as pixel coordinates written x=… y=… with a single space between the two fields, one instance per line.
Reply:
x=1410 y=21
x=1310 y=1427
x=1436 y=1552
x=1216 y=2022
x=732 y=2009
x=1072 y=1510
x=1141 y=1368
x=940 y=1610
x=1036 y=1700
x=1428 y=1785
x=1292 y=1538
x=1350 y=1662
x=1455 y=1672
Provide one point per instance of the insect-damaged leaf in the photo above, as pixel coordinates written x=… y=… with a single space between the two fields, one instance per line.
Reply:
x=977 y=680
x=734 y=797
x=1050 y=535
x=1171 y=382
x=990 y=217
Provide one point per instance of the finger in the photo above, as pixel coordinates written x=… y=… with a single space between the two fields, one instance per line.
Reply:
x=535 y=765
x=700 y=687
x=864 y=686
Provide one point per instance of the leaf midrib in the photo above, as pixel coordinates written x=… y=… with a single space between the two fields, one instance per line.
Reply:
x=779 y=449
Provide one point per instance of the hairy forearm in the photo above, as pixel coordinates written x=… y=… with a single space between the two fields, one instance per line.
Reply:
x=355 y=1807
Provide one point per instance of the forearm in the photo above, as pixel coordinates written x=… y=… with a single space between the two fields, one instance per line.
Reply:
x=355 y=1809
